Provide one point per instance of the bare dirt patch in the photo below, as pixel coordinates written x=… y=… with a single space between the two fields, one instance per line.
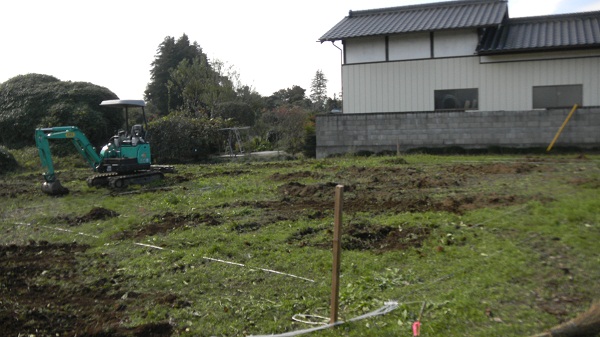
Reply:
x=44 y=295
x=19 y=186
x=95 y=214
x=167 y=222
x=365 y=236
x=295 y=175
x=401 y=188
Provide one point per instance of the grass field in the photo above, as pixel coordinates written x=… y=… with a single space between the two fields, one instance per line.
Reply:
x=501 y=245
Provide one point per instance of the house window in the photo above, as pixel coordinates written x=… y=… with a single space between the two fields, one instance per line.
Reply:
x=457 y=99
x=557 y=96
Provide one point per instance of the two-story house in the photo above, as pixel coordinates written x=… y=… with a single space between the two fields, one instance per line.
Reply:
x=441 y=67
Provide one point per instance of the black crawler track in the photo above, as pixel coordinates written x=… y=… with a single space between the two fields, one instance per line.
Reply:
x=116 y=180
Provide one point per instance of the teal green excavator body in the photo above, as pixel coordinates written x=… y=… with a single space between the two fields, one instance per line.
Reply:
x=125 y=159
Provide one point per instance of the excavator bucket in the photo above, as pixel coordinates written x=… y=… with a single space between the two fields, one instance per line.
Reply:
x=54 y=188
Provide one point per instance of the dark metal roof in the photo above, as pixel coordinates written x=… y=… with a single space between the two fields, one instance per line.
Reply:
x=419 y=18
x=577 y=30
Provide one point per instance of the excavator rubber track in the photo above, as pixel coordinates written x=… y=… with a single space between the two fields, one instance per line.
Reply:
x=138 y=178
x=100 y=180
x=163 y=168
x=116 y=180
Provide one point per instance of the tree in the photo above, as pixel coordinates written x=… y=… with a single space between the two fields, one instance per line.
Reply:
x=240 y=113
x=169 y=55
x=34 y=100
x=294 y=96
x=333 y=103
x=190 y=80
x=248 y=95
x=318 y=91
x=219 y=87
x=285 y=126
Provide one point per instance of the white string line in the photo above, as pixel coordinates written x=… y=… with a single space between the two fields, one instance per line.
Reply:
x=57 y=229
x=263 y=269
x=298 y=318
x=149 y=246
x=172 y=251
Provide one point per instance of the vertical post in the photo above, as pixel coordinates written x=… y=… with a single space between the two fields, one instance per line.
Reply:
x=561 y=128
x=337 y=234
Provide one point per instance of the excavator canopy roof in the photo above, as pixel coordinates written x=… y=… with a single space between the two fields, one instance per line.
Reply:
x=124 y=103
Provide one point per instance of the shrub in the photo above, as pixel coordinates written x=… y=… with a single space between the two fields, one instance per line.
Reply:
x=34 y=100
x=7 y=161
x=178 y=138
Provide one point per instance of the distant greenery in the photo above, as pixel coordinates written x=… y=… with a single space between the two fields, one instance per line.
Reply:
x=183 y=81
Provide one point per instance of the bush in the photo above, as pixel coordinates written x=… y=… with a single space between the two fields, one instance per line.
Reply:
x=285 y=126
x=310 y=141
x=177 y=138
x=7 y=161
x=34 y=100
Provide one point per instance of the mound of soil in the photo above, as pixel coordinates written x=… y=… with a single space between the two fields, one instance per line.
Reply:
x=167 y=222
x=295 y=175
x=366 y=236
x=95 y=214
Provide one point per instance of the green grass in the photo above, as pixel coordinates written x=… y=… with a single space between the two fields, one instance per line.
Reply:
x=532 y=262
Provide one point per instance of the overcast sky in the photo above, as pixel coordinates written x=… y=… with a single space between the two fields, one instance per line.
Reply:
x=272 y=44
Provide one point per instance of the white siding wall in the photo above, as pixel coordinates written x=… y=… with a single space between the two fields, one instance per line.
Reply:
x=409 y=46
x=410 y=85
x=365 y=50
x=455 y=43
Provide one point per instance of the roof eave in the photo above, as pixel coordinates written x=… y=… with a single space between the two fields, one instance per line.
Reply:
x=536 y=50
x=340 y=38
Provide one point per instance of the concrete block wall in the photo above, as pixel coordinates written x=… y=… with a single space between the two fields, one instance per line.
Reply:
x=376 y=132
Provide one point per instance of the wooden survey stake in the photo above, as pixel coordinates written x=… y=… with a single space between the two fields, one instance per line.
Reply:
x=337 y=234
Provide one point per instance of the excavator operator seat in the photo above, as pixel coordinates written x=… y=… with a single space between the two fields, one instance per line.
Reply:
x=137 y=134
x=119 y=138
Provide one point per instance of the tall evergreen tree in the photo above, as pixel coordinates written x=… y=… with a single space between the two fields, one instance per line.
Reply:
x=169 y=55
x=318 y=91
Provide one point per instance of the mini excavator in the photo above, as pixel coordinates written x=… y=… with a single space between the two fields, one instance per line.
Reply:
x=124 y=161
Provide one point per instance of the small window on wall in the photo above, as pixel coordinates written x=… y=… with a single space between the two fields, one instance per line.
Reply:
x=457 y=99
x=557 y=96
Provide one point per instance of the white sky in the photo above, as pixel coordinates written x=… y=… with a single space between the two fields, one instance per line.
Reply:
x=270 y=43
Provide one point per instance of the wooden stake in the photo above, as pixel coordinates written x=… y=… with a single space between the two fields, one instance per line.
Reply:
x=337 y=234
x=561 y=128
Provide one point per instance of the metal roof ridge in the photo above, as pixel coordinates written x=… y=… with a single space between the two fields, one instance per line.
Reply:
x=547 y=18
x=442 y=4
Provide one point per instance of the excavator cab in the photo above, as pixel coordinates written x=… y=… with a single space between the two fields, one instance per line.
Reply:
x=127 y=152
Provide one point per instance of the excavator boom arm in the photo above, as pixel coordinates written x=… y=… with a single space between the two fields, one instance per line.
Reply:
x=79 y=140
